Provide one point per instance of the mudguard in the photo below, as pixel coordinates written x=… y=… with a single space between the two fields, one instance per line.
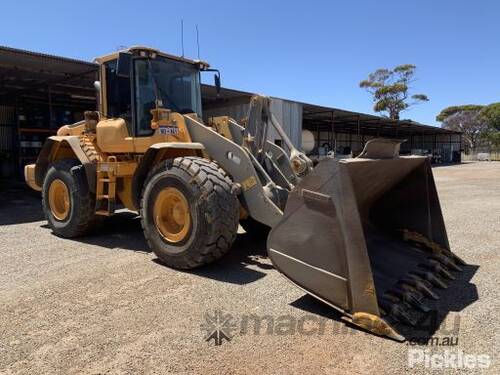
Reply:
x=148 y=160
x=52 y=150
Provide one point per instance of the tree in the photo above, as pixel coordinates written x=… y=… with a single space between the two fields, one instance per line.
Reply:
x=477 y=122
x=389 y=89
x=468 y=121
x=449 y=111
x=493 y=136
x=491 y=114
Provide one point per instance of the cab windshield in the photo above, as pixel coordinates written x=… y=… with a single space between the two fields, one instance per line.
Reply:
x=175 y=84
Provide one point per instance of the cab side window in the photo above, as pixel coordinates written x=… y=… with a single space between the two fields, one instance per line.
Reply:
x=145 y=97
x=118 y=93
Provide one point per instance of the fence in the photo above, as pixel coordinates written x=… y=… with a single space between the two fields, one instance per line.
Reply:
x=493 y=155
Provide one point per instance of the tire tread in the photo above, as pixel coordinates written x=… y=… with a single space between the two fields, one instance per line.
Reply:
x=84 y=211
x=222 y=209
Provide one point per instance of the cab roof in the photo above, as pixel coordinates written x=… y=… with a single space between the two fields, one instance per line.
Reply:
x=148 y=51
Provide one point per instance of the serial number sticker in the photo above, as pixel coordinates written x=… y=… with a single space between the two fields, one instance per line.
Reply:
x=169 y=130
x=249 y=183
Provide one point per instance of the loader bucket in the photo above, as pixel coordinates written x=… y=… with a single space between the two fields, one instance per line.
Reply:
x=366 y=236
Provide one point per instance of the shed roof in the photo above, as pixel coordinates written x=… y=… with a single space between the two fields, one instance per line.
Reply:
x=328 y=118
x=344 y=121
x=29 y=73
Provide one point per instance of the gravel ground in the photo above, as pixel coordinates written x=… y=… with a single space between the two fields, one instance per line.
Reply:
x=103 y=304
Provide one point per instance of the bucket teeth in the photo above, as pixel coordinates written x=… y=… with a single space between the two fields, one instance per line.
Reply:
x=418 y=304
x=413 y=299
x=447 y=261
x=440 y=269
x=392 y=298
x=422 y=286
x=420 y=280
x=435 y=280
x=456 y=258
x=404 y=288
x=397 y=311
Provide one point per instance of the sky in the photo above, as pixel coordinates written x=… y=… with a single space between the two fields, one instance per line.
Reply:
x=310 y=51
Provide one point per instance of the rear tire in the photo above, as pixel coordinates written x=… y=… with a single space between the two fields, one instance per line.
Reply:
x=206 y=226
x=74 y=215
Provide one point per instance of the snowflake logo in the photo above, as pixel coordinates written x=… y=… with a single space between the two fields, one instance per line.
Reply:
x=218 y=327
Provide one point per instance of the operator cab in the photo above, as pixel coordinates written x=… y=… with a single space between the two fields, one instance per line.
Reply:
x=140 y=79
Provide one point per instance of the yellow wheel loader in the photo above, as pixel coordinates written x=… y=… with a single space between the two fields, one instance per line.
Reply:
x=364 y=235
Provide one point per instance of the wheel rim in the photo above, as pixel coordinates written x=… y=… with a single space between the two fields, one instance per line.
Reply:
x=59 y=199
x=171 y=215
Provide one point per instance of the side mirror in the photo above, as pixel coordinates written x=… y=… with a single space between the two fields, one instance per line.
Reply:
x=123 y=65
x=217 y=83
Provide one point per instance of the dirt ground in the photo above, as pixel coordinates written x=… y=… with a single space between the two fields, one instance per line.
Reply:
x=103 y=304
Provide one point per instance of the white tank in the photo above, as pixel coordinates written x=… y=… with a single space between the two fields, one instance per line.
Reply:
x=307 y=141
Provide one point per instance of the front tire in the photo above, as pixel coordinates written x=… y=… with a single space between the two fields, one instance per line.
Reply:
x=189 y=213
x=67 y=202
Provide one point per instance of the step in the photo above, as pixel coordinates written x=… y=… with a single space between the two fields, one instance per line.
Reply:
x=104 y=213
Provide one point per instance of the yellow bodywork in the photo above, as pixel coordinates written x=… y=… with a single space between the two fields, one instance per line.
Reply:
x=113 y=136
x=116 y=155
x=122 y=153
x=29 y=176
x=221 y=125
x=109 y=151
x=76 y=129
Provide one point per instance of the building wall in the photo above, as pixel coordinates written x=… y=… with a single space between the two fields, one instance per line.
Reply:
x=288 y=114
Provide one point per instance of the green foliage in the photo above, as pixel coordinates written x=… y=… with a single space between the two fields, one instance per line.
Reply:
x=491 y=114
x=478 y=123
x=449 y=111
x=389 y=89
x=469 y=122
x=421 y=97
x=493 y=136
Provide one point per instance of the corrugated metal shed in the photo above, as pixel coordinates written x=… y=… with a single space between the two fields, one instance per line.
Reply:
x=7 y=128
x=334 y=128
x=288 y=114
x=7 y=115
x=324 y=117
x=31 y=73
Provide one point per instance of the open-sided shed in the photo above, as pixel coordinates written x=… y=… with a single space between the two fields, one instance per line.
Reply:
x=40 y=92
x=338 y=129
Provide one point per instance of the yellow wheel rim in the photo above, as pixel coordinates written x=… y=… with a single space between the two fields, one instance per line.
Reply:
x=59 y=199
x=171 y=215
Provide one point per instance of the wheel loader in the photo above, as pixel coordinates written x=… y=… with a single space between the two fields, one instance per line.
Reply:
x=364 y=235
